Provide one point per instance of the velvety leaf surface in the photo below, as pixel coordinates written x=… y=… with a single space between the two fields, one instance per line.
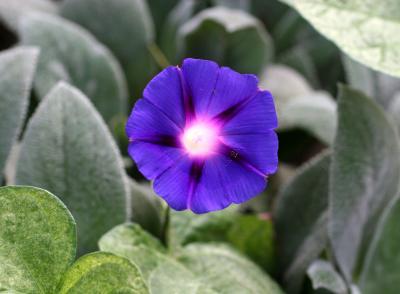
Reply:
x=102 y=272
x=68 y=149
x=186 y=227
x=230 y=37
x=17 y=67
x=71 y=54
x=298 y=105
x=11 y=11
x=37 y=240
x=381 y=270
x=315 y=113
x=172 y=277
x=300 y=219
x=324 y=276
x=147 y=209
x=226 y=271
x=124 y=26
x=255 y=238
x=375 y=84
x=367 y=30
x=160 y=10
x=135 y=244
x=364 y=176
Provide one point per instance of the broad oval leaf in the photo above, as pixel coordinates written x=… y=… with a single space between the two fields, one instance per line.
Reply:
x=367 y=30
x=300 y=220
x=364 y=176
x=381 y=269
x=102 y=272
x=124 y=26
x=37 y=240
x=375 y=84
x=230 y=37
x=324 y=276
x=17 y=67
x=133 y=243
x=254 y=237
x=12 y=11
x=187 y=227
x=71 y=54
x=225 y=271
x=172 y=277
x=68 y=149
x=147 y=209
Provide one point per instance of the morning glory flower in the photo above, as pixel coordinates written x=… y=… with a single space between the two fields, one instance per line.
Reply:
x=205 y=135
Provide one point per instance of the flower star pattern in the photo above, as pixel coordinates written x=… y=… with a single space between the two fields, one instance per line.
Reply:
x=205 y=135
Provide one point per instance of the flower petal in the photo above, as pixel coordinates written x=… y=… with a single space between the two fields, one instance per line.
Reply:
x=174 y=184
x=146 y=120
x=152 y=159
x=231 y=89
x=257 y=151
x=165 y=92
x=200 y=77
x=224 y=181
x=256 y=116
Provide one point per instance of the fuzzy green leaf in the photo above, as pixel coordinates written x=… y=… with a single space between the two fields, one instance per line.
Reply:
x=124 y=26
x=367 y=30
x=135 y=244
x=300 y=217
x=364 y=176
x=381 y=270
x=68 y=149
x=102 y=272
x=71 y=54
x=324 y=276
x=17 y=67
x=230 y=37
x=250 y=233
x=225 y=271
x=147 y=209
x=37 y=240
x=12 y=11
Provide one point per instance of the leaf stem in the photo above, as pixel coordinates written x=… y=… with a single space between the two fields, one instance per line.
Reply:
x=158 y=55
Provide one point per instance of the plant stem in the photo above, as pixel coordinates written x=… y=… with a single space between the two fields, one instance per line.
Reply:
x=158 y=55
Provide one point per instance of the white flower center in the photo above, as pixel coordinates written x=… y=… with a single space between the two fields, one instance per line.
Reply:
x=200 y=139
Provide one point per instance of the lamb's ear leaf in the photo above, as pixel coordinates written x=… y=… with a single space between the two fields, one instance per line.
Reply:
x=380 y=21
x=147 y=209
x=225 y=270
x=68 y=149
x=12 y=11
x=381 y=267
x=91 y=68
x=38 y=240
x=300 y=220
x=102 y=272
x=247 y=46
x=324 y=276
x=124 y=26
x=364 y=176
x=17 y=67
x=132 y=242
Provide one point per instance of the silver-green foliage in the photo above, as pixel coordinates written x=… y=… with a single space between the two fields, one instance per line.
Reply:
x=124 y=26
x=364 y=176
x=71 y=54
x=37 y=240
x=68 y=149
x=366 y=30
x=228 y=36
x=17 y=67
x=101 y=272
x=197 y=268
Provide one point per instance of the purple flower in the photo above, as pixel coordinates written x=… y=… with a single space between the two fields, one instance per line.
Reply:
x=205 y=135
